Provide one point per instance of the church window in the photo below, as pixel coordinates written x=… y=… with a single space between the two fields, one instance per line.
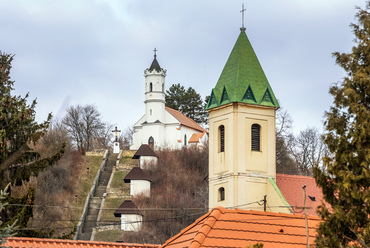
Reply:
x=256 y=137
x=221 y=138
x=151 y=87
x=151 y=142
x=151 y=112
x=221 y=194
x=163 y=88
x=185 y=141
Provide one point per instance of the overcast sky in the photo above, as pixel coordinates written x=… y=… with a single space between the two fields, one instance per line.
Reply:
x=71 y=52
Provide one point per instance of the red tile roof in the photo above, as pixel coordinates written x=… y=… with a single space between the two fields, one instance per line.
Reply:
x=238 y=228
x=195 y=137
x=136 y=173
x=23 y=242
x=185 y=121
x=291 y=187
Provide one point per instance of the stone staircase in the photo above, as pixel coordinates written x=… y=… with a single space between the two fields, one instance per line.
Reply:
x=97 y=198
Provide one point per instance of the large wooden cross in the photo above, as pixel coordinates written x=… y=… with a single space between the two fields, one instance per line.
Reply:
x=116 y=131
x=242 y=11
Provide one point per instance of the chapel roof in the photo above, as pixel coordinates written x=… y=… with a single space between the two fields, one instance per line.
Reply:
x=25 y=242
x=127 y=207
x=136 y=174
x=239 y=228
x=185 y=121
x=242 y=79
x=291 y=187
x=155 y=65
x=144 y=150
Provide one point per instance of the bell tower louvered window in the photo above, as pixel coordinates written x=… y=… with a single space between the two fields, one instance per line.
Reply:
x=256 y=137
x=221 y=138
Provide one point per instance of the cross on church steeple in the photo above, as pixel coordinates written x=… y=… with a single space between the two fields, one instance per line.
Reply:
x=155 y=52
x=242 y=11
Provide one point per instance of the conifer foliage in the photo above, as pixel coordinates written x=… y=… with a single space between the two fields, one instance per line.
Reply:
x=18 y=162
x=345 y=176
x=188 y=102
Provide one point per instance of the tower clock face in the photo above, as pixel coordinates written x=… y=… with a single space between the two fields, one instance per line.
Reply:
x=150 y=96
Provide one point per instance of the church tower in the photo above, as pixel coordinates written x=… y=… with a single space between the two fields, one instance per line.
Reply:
x=154 y=92
x=242 y=159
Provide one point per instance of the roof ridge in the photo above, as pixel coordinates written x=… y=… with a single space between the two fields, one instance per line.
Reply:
x=111 y=244
x=205 y=216
x=199 y=127
x=206 y=227
x=294 y=176
x=284 y=215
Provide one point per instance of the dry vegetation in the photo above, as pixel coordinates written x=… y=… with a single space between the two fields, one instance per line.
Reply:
x=179 y=195
x=56 y=209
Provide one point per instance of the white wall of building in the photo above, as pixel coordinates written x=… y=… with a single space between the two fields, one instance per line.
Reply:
x=131 y=222
x=140 y=187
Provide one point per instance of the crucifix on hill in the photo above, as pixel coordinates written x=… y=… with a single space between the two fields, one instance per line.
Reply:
x=116 y=131
x=116 y=143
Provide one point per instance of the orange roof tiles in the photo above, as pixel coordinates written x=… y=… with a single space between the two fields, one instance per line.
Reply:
x=291 y=187
x=195 y=137
x=23 y=242
x=185 y=121
x=238 y=228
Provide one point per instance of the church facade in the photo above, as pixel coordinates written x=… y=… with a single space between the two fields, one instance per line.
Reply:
x=160 y=126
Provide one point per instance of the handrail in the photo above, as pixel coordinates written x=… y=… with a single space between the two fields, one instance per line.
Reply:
x=81 y=222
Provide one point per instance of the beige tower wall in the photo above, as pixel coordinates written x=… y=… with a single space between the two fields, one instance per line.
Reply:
x=243 y=173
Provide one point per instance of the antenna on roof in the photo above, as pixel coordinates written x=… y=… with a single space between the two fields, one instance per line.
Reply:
x=305 y=215
x=242 y=11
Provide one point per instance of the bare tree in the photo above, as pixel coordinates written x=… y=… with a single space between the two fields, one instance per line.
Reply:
x=125 y=140
x=285 y=162
x=105 y=136
x=307 y=149
x=284 y=123
x=73 y=121
x=84 y=124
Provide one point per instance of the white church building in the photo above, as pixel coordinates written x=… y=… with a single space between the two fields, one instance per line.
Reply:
x=163 y=127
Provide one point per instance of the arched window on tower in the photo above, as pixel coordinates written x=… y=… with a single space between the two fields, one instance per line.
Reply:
x=185 y=140
x=151 y=142
x=256 y=137
x=162 y=88
x=221 y=194
x=151 y=87
x=221 y=138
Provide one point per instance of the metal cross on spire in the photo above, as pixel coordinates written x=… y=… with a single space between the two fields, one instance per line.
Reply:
x=242 y=11
x=155 y=52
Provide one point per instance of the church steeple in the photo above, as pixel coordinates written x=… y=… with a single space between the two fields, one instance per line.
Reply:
x=242 y=137
x=242 y=78
x=155 y=64
x=154 y=91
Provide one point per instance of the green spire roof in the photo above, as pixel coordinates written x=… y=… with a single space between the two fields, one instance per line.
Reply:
x=242 y=79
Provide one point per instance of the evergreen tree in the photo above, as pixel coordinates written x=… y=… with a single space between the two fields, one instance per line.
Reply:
x=188 y=102
x=18 y=162
x=345 y=175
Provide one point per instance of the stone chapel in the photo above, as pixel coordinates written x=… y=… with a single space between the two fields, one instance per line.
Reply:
x=160 y=126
